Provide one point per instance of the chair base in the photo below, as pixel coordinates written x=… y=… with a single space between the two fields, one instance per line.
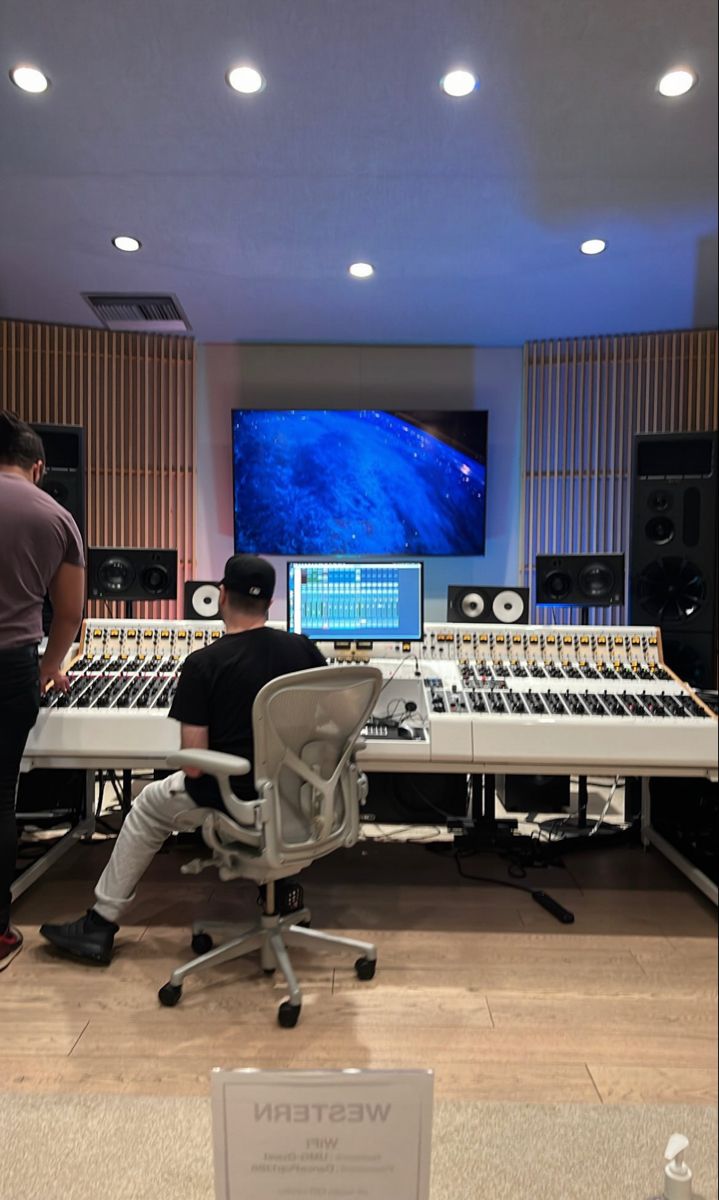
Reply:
x=271 y=935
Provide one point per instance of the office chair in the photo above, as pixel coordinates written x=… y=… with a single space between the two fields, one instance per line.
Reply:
x=306 y=730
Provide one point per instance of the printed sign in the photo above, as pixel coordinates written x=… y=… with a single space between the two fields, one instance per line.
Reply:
x=322 y=1135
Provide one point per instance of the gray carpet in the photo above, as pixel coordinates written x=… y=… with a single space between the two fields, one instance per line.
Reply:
x=146 y=1148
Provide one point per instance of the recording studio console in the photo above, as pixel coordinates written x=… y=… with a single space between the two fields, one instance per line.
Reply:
x=467 y=697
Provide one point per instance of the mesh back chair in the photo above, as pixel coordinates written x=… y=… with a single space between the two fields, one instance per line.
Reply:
x=306 y=728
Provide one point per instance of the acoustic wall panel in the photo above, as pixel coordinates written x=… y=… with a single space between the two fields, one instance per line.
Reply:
x=134 y=395
x=584 y=399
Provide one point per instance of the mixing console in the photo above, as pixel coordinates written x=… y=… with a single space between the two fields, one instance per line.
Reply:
x=485 y=697
x=130 y=664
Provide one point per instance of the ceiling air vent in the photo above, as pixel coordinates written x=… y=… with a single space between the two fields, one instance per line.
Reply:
x=141 y=314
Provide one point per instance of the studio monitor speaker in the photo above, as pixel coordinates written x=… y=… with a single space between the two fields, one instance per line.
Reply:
x=673 y=548
x=202 y=600
x=585 y=580
x=488 y=605
x=130 y=574
x=64 y=477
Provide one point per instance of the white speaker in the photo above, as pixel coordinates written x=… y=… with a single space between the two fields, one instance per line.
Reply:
x=488 y=605
x=202 y=601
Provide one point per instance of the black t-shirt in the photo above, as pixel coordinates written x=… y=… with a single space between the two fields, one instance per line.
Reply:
x=217 y=688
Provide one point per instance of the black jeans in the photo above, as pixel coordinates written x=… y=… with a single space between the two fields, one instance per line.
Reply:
x=19 y=704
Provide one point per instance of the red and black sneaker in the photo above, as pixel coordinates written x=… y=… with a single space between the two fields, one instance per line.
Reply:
x=10 y=945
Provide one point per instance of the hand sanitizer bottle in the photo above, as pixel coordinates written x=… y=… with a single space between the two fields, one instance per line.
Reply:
x=677 y=1175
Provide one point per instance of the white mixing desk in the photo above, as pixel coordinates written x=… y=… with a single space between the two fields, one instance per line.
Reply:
x=473 y=698
x=468 y=697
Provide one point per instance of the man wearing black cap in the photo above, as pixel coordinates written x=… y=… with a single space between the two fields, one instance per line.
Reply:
x=213 y=703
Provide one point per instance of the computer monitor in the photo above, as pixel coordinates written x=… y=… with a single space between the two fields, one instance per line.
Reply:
x=356 y=601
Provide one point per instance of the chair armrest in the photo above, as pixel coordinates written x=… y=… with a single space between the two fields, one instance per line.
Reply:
x=212 y=762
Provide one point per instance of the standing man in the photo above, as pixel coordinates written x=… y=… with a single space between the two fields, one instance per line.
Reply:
x=213 y=703
x=40 y=551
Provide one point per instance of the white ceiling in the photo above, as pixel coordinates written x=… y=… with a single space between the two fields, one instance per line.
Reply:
x=250 y=208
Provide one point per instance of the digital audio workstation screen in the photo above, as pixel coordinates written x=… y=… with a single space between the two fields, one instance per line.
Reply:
x=335 y=601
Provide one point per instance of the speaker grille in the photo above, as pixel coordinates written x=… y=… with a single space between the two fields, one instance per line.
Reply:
x=671 y=589
x=115 y=575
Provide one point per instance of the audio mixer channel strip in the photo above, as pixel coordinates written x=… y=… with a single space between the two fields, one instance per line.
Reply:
x=467 y=697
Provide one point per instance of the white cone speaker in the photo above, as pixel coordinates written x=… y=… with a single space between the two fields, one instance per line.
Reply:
x=202 y=601
x=507 y=606
x=472 y=605
x=488 y=605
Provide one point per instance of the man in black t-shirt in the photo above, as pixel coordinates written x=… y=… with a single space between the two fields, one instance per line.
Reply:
x=213 y=703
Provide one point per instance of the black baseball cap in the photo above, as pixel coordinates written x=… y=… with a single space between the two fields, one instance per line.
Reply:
x=249 y=575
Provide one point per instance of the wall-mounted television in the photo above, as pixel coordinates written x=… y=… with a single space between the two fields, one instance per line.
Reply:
x=325 y=482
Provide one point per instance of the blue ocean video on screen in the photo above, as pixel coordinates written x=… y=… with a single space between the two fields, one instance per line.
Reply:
x=321 y=482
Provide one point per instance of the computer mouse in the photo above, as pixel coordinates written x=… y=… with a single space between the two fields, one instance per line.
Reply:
x=404 y=731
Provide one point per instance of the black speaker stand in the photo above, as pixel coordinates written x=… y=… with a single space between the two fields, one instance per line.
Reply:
x=126 y=803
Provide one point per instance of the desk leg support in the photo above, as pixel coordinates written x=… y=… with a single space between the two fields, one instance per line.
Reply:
x=646 y=817
x=126 y=792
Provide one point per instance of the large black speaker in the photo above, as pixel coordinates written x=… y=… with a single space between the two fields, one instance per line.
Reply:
x=202 y=600
x=585 y=580
x=686 y=813
x=64 y=477
x=673 y=556
x=130 y=574
x=488 y=605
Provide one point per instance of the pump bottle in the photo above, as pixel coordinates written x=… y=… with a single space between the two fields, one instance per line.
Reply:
x=677 y=1175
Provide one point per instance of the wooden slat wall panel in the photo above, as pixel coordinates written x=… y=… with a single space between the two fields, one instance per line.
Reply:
x=584 y=399
x=134 y=394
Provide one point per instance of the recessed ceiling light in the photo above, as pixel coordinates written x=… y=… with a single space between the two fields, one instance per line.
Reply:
x=29 y=79
x=458 y=83
x=361 y=270
x=593 y=246
x=676 y=83
x=246 y=80
x=128 y=244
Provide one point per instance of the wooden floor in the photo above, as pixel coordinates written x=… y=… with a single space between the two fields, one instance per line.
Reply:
x=477 y=982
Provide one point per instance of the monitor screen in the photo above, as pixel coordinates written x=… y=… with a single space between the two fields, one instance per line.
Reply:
x=355 y=601
x=319 y=482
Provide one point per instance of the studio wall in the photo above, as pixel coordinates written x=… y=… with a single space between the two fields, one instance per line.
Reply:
x=382 y=377
x=134 y=395
x=585 y=399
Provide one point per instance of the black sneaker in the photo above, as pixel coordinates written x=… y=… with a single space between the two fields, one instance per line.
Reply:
x=90 y=938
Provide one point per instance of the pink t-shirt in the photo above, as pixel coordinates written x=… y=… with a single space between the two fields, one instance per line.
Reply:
x=37 y=535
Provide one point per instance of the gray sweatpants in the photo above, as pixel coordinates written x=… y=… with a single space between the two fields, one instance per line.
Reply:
x=150 y=821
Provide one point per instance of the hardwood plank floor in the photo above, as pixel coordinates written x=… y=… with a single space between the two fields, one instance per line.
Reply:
x=474 y=980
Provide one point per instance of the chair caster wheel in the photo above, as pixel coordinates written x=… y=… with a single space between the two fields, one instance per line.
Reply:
x=288 y=1014
x=201 y=943
x=365 y=968
x=268 y=970
x=169 y=995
